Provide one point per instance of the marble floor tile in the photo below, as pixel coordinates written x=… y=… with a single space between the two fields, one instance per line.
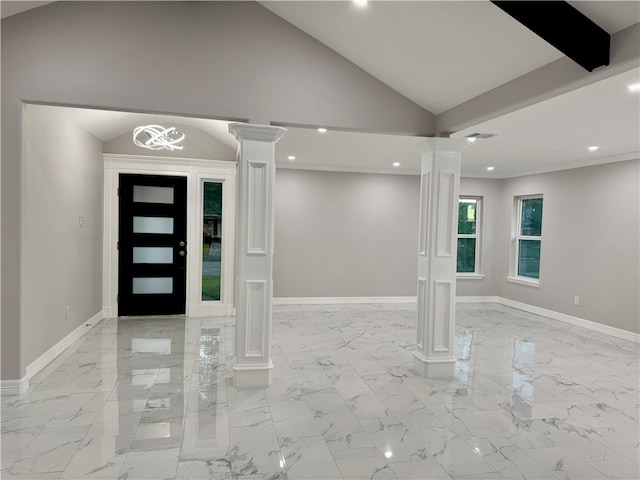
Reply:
x=205 y=469
x=100 y=457
x=618 y=469
x=49 y=452
x=150 y=465
x=254 y=450
x=363 y=463
x=308 y=458
x=563 y=464
x=458 y=458
x=154 y=398
x=419 y=470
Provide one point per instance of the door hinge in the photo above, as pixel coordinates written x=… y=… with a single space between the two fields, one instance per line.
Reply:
x=118 y=245
x=118 y=192
x=117 y=298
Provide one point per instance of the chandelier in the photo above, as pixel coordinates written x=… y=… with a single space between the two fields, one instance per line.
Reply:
x=157 y=137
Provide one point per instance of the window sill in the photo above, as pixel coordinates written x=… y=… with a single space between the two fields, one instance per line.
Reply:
x=469 y=276
x=530 y=282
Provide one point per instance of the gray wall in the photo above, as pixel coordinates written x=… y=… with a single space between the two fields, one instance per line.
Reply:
x=345 y=234
x=229 y=60
x=590 y=243
x=333 y=241
x=197 y=144
x=61 y=261
x=334 y=244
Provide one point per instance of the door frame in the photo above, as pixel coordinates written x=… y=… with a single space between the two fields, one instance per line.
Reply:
x=197 y=172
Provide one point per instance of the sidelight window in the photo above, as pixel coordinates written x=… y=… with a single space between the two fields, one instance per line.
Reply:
x=211 y=240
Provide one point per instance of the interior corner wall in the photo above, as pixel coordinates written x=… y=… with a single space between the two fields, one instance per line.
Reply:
x=490 y=191
x=345 y=234
x=590 y=243
x=61 y=260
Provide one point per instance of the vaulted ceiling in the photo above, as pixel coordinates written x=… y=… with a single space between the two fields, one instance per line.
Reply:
x=475 y=68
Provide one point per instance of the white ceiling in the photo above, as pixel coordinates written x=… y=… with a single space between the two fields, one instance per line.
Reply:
x=425 y=50
x=547 y=136
x=440 y=54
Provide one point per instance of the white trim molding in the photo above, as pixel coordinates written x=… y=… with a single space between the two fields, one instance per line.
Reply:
x=478 y=299
x=197 y=172
x=340 y=300
x=341 y=169
x=19 y=387
x=524 y=281
x=469 y=276
x=14 y=387
x=252 y=375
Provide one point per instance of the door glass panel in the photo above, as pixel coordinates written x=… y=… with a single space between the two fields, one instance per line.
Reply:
x=152 y=285
x=152 y=255
x=212 y=240
x=147 y=194
x=153 y=225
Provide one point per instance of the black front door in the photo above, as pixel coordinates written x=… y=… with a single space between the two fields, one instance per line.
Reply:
x=152 y=247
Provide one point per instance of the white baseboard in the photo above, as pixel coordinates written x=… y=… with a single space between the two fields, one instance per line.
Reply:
x=18 y=387
x=340 y=300
x=576 y=321
x=477 y=299
x=213 y=309
x=553 y=315
x=14 y=387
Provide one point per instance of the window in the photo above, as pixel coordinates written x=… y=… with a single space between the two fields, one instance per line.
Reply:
x=211 y=240
x=528 y=237
x=468 y=235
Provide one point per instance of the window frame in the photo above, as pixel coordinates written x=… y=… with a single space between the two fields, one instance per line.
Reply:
x=515 y=276
x=477 y=273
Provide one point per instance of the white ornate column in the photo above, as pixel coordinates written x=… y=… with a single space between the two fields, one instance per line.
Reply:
x=437 y=245
x=254 y=252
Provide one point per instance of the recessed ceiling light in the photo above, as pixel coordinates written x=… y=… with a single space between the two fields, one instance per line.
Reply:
x=593 y=148
x=322 y=130
x=471 y=139
x=396 y=164
x=291 y=157
x=634 y=87
x=361 y=3
x=490 y=169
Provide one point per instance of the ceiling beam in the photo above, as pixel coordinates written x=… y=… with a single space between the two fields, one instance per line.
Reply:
x=564 y=27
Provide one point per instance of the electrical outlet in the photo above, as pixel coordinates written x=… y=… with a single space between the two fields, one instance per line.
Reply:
x=81 y=220
x=576 y=300
x=66 y=312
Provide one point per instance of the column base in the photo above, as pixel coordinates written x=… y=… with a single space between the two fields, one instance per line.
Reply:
x=252 y=375
x=434 y=367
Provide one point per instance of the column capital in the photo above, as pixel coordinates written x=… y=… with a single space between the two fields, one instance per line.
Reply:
x=444 y=144
x=260 y=133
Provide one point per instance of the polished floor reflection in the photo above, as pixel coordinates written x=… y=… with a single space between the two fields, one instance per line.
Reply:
x=152 y=398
